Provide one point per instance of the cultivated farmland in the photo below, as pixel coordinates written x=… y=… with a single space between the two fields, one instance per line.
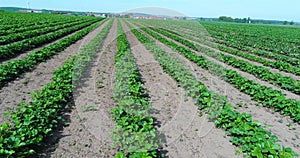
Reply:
x=74 y=86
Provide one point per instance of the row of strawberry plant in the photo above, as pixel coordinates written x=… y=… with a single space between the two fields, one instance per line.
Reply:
x=277 y=47
x=34 y=121
x=260 y=72
x=13 y=69
x=280 y=65
x=135 y=133
x=245 y=133
x=87 y=53
x=37 y=32
x=14 y=21
x=280 y=58
x=285 y=82
x=266 y=32
x=283 y=63
x=265 y=95
x=6 y=23
x=38 y=26
x=275 y=39
x=13 y=49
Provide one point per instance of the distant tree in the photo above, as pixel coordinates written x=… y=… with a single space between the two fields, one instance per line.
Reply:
x=292 y=23
x=285 y=23
x=222 y=18
x=237 y=20
x=226 y=19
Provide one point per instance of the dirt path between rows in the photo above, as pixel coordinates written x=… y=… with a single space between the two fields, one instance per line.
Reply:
x=88 y=133
x=187 y=134
x=281 y=126
x=17 y=91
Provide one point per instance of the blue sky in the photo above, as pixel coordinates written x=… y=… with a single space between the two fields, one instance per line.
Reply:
x=258 y=9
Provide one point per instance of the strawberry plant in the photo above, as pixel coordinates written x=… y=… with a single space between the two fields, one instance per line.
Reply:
x=135 y=134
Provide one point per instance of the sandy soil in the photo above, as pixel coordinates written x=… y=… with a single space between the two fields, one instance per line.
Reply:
x=187 y=134
x=281 y=126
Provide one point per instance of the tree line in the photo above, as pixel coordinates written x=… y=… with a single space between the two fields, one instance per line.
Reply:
x=248 y=20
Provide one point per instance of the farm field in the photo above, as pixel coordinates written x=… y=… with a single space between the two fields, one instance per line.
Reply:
x=75 y=86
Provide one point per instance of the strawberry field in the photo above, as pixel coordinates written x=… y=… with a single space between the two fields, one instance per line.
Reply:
x=77 y=86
